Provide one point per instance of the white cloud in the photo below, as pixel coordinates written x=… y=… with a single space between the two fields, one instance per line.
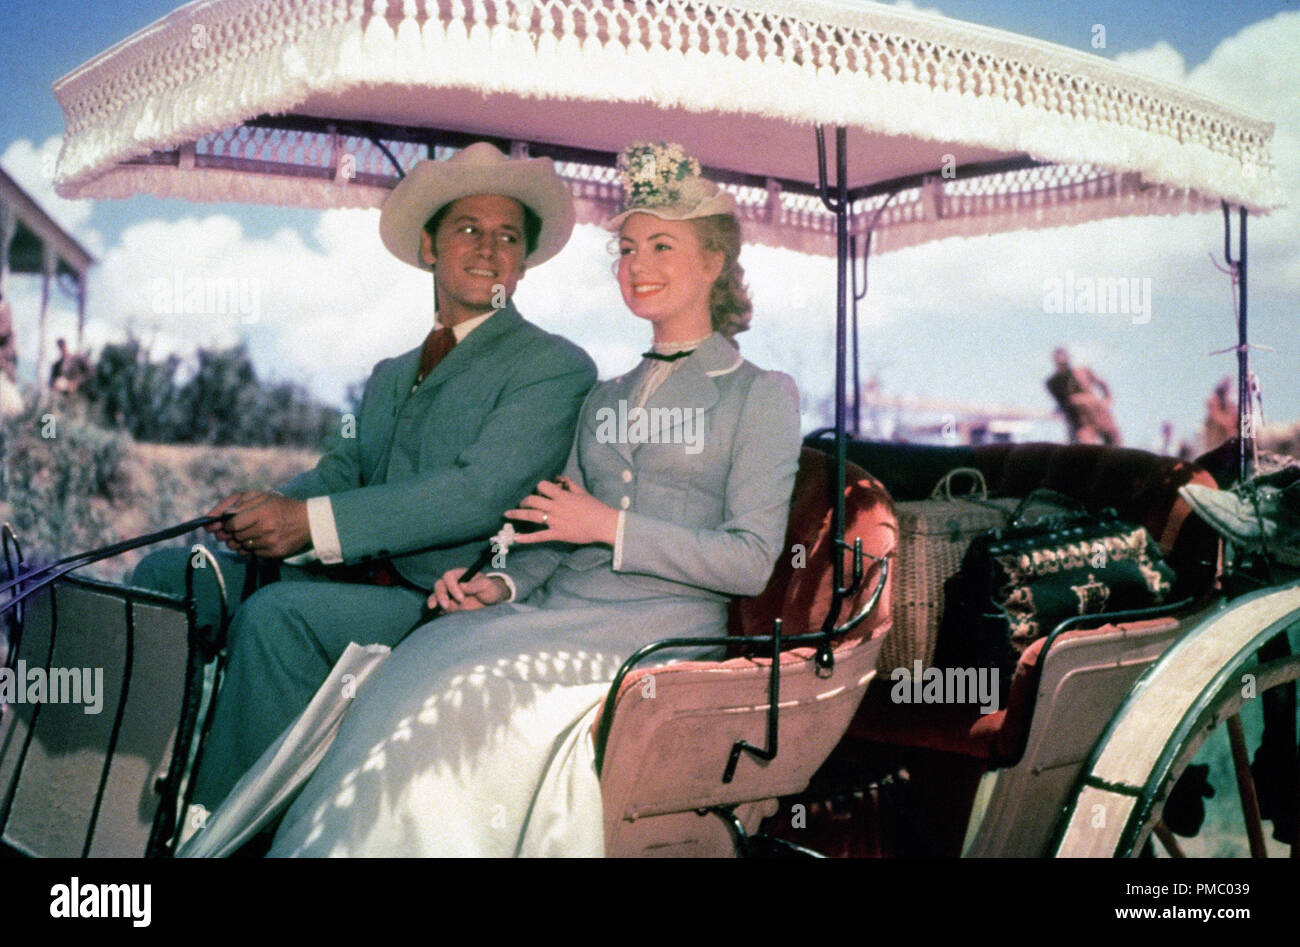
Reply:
x=1160 y=61
x=914 y=8
x=321 y=316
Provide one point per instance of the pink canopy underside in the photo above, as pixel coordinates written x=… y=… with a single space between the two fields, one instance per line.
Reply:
x=742 y=86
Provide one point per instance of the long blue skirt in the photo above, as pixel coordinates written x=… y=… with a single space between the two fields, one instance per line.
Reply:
x=473 y=738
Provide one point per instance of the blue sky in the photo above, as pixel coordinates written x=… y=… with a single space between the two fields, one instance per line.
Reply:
x=960 y=320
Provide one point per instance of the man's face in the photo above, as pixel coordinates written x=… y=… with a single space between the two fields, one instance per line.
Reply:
x=478 y=255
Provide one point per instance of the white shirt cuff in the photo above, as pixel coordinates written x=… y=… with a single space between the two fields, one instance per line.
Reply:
x=510 y=583
x=618 y=541
x=324 y=534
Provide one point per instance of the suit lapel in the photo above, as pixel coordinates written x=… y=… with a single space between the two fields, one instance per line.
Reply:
x=467 y=353
x=691 y=387
x=461 y=358
x=617 y=398
x=408 y=365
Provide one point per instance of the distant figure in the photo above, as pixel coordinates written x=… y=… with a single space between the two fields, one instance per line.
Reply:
x=11 y=399
x=1220 y=415
x=1166 y=437
x=8 y=348
x=1076 y=393
x=70 y=371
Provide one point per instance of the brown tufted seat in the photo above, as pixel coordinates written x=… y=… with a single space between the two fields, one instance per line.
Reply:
x=955 y=744
x=1140 y=486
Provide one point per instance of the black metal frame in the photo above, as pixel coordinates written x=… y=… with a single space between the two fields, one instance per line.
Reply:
x=204 y=645
x=1109 y=618
x=208 y=645
x=160 y=838
x=51 y=573
x=431 y=138
x=857 y=293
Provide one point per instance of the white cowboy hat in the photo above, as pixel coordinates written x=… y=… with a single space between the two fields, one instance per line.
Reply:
x=478 y=169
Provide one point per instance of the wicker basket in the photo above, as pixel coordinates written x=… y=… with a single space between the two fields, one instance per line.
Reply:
x=933 y=536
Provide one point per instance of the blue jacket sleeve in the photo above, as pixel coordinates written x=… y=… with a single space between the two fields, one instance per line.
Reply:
x=530 y=566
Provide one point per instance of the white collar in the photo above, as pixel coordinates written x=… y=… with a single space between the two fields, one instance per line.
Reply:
x=672 y=348
x=462 y=329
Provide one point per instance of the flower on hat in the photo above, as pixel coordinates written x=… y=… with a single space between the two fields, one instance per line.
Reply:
x=659 y=174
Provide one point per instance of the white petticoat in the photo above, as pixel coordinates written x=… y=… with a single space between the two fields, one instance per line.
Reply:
x=474 y=737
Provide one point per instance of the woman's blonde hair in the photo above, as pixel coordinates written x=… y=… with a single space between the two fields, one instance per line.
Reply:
x=730 y=308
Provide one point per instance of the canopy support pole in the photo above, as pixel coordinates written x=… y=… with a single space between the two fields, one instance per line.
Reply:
x=1246 y=421
x=859 y=294
x=81 y=312
x=838 y=204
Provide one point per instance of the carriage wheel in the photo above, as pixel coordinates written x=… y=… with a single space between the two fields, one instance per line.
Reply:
x=1223 y=697
x=1230 y=737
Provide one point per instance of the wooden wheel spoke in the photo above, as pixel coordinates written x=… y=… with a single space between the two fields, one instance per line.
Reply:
x=1168 y=840
x=1246 y=788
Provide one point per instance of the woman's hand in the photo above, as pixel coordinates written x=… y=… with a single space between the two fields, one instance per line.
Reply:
x=455 y=596
x=567 y=513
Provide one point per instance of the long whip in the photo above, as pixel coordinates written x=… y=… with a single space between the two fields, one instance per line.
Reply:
x=56 y=570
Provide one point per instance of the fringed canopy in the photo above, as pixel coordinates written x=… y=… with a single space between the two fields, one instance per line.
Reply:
x=972 y=131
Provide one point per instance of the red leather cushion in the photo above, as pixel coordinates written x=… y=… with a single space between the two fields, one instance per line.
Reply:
x=799 y=591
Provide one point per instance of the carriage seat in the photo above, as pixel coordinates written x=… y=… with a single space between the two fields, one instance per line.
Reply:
x=1140 y=486
x=947 y=748
x=664 y=757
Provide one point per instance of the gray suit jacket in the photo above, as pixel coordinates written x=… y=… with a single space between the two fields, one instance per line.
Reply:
x=706 y=507
x=430 y=472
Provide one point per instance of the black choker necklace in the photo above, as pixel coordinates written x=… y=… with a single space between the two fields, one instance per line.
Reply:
x=666 y=358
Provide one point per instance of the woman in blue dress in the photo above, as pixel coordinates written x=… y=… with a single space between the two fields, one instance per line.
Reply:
x=473 y=738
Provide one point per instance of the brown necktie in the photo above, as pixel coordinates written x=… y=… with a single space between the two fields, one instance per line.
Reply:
x=436 y=346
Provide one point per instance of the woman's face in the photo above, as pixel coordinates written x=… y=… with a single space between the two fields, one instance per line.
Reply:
x=664 y=273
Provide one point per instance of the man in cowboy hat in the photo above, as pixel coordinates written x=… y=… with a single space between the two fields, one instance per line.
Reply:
x=449 y=436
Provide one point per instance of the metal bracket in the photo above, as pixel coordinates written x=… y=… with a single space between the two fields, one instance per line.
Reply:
x=735 y=828
x=773 y=713
x=208 y=640
x=769 y=752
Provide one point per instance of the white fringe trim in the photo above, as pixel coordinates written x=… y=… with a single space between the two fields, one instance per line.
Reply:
x=215 y=63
